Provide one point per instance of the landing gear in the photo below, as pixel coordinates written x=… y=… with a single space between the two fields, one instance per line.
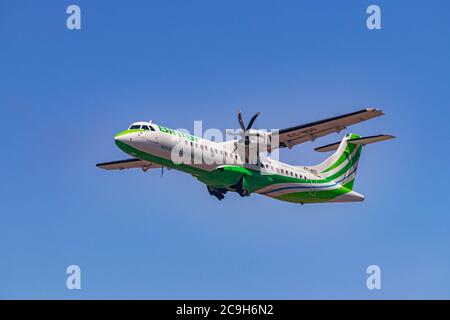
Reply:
x=240 y=189
x=218 y=193
x=243 y=192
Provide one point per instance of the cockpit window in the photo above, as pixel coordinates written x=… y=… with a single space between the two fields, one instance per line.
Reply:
x=152 y=129
x=145 y=128
x=135 y=127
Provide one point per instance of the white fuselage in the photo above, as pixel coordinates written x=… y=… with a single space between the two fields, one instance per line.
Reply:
x=204 y=154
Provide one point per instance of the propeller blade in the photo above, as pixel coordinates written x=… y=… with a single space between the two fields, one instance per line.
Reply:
x=252 y=120
x=245 y=133
x=241 y=122
x=235 y=147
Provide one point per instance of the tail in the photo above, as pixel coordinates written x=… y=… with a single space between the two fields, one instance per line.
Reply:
x=341 y=167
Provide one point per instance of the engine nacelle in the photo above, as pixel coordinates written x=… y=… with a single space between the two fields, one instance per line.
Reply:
x=259 y=138
x=257 y=141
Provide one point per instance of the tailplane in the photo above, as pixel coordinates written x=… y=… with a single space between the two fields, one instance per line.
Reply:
x=341 y=167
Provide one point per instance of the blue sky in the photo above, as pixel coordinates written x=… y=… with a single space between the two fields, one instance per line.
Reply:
x=64 y=94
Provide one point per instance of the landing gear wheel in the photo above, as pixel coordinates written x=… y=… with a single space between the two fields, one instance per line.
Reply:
x=219 y=196
x=244 y=193
x=239 y=187
x=216 y=193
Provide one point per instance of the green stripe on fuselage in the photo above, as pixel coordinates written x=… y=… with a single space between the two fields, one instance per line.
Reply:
x=155 y=159
x=127 y=132
x=344 y=156
x=348 y=166
x=347 y=152
x=313 y=196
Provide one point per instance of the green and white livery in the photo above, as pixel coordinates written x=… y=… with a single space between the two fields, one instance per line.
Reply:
x=222 y=167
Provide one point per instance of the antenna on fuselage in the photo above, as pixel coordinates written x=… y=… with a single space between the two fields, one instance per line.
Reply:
x=162 y=171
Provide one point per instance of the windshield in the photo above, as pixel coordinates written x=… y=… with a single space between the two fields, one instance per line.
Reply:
x=141 y=127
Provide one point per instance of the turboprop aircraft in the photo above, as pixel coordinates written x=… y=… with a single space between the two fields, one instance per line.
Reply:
x=226 y=166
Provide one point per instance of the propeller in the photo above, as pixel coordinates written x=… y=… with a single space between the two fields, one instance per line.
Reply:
x=245 y=129
x=250 y=124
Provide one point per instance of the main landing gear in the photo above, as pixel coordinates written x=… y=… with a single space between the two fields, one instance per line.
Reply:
x=218 y=193
x=240 y=189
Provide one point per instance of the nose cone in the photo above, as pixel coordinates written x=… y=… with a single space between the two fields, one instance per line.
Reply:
x=124 y=136
x=123 y=139
x=120 y=137
x=129 y=140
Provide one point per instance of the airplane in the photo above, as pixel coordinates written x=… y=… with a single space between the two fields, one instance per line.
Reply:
x=152 y=146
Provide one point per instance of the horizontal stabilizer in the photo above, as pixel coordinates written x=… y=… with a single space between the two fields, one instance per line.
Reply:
x=359 y=141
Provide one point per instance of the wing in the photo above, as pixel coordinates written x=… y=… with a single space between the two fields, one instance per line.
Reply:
x=311 y=131
x=127 y=164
